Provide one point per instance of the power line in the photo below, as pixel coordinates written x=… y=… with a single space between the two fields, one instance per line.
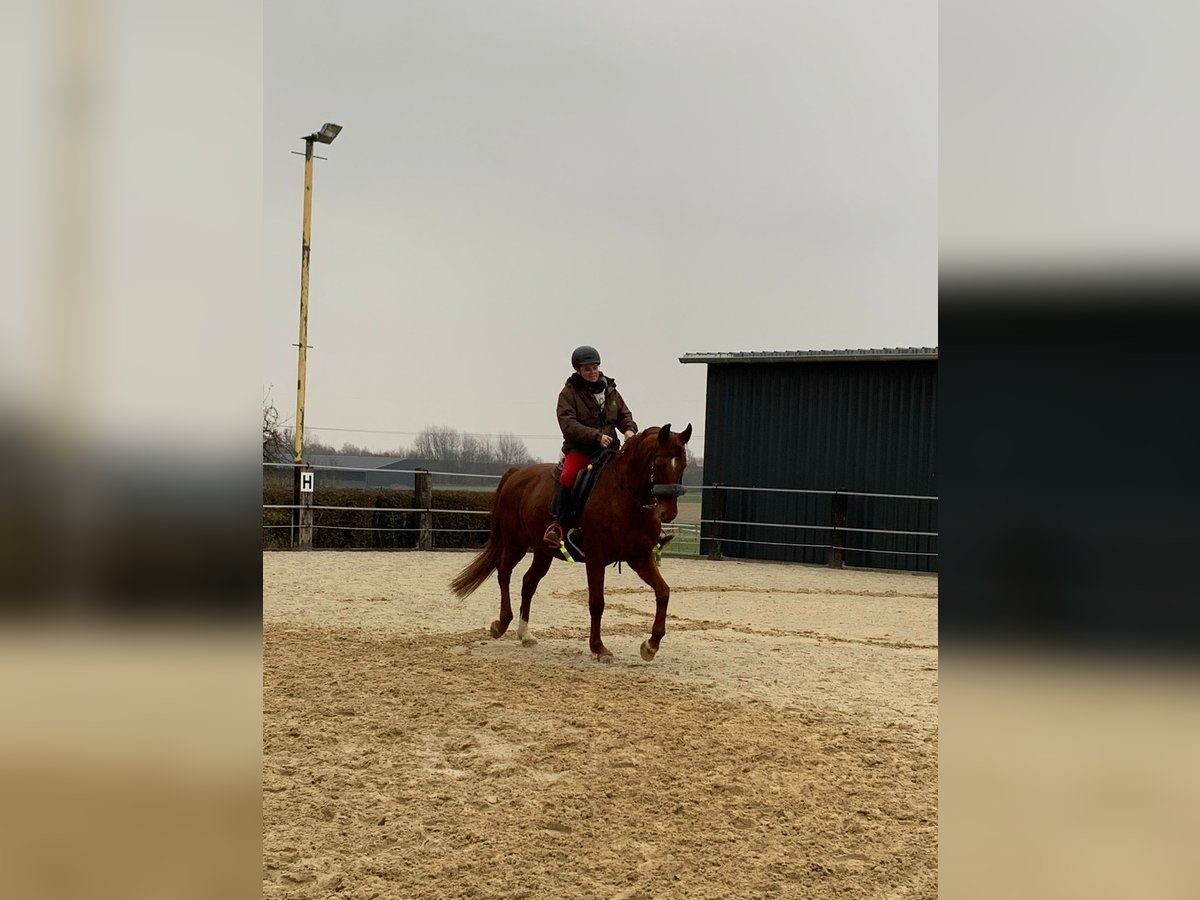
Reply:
x=423 y=431
x=556 y=437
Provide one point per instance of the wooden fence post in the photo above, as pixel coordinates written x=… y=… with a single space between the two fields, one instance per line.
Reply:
x=837 y=538
x=423 y=501
x=718 y=526
x=303 y=483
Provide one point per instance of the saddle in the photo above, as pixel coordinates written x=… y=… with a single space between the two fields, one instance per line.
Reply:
x=584 y=482
x=578 y=497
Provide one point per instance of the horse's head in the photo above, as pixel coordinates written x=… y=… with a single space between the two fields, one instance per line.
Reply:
x=664 y=455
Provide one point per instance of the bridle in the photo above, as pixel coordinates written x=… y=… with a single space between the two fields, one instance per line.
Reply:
x=676 y=489
x=653 y=500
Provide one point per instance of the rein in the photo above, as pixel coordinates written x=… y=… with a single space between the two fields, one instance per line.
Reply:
x=653 y=500
x=653 y=504
x=630 y=464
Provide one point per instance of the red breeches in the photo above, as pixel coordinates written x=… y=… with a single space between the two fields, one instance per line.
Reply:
x=575 y=460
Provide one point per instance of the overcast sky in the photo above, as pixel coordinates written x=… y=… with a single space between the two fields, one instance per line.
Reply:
x=517 y=178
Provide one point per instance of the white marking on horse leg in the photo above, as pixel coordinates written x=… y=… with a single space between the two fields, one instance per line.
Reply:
x=527 y=639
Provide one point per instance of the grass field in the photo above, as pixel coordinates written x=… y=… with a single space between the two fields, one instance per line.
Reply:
x=686 y=527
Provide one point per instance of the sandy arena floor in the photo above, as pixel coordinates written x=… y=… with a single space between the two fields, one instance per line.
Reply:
x=783 y=743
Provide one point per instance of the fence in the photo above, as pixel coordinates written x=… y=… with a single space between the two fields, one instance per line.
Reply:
x=405 y=518
x=834 y=528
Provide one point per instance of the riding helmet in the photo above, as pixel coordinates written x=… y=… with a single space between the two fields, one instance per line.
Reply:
x=585 y=356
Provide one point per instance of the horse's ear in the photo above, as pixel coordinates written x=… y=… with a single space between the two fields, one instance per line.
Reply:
x=686 y=433
x=664 y=433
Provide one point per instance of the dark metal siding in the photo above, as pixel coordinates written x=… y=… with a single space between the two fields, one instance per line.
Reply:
x=850 y=426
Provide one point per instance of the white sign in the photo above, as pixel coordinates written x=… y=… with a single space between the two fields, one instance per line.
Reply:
x=306 y=482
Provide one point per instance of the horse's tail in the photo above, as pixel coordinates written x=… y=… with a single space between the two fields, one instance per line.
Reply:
x=466 y=581
x=488 y=560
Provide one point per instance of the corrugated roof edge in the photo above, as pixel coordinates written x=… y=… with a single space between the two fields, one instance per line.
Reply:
x=885 y=354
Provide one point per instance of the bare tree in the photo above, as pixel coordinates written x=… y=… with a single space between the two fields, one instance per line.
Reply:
x=511 y=450
x=439 y=442
x=478 y=448
x=276 y=446
x=449 y=445
x=487 y=449
x=434 y=442
x=314 y=444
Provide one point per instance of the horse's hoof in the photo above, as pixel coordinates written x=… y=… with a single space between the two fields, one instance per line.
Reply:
x=496 y=630
x=528 y=641
x=604 y=657
x=647 y=651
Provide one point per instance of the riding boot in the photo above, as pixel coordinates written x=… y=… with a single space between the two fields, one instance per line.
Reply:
x=554 y=534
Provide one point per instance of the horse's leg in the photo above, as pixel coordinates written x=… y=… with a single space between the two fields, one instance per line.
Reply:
x=649 y=573
x=508 y=561
x=595 y=576
x=541 y=565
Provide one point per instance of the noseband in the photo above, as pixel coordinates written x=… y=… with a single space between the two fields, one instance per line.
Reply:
x=658 y=491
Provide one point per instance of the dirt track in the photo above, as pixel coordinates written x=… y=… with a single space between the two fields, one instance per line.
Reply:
x=783 y=743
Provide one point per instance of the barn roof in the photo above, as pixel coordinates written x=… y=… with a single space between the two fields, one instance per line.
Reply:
x=886 y=354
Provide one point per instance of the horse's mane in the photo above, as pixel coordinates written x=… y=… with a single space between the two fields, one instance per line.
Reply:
x=641 y=445
x=636 y=456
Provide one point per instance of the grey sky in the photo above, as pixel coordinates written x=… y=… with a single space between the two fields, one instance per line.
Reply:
x=518 y=178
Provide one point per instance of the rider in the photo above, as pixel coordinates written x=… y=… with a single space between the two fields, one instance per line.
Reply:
x=590 y=410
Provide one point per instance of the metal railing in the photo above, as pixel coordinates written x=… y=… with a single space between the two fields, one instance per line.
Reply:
x=712 y=533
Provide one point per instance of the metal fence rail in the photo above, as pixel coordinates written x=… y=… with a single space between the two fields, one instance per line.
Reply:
x=378 y=471
x=379 y=509
x=828 y=547
x=690 y=537
x=374 y=528
x=816 y=527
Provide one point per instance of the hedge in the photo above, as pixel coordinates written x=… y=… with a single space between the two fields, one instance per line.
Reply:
x=355 y=530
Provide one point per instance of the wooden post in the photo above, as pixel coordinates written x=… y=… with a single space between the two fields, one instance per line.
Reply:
x=303 y=484
x=837 y=538
x=423 y=500
x=718 y=528
x=302 y=353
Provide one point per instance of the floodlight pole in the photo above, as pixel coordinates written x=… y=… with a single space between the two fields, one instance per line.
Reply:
x=303 y=347
x=302 y=498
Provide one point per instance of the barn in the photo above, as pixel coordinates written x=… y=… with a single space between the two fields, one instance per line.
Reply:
x=822 y=456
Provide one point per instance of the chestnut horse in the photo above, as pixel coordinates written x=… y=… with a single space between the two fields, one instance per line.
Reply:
x=634 y=494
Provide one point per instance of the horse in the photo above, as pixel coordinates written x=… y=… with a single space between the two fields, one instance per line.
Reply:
x=633 y=496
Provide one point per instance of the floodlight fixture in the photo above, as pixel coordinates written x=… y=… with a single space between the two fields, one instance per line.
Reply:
x=327 y=133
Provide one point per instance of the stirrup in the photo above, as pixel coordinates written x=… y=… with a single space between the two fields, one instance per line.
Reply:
x=553 y=536
x=664 y=539
x=573 y=538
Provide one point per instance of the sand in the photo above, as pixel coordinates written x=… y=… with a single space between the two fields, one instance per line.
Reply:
x=783 y=743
